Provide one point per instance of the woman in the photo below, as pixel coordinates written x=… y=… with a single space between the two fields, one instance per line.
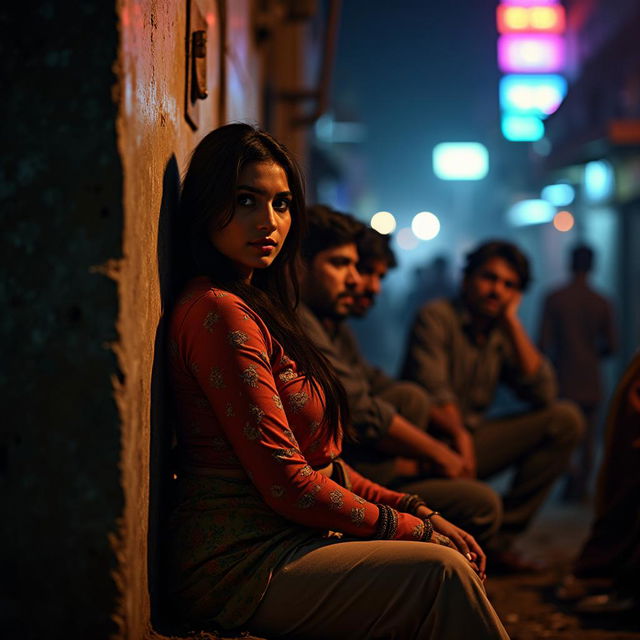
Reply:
x=261 y=489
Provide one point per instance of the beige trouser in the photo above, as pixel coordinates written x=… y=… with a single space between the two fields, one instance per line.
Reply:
x=381 y=589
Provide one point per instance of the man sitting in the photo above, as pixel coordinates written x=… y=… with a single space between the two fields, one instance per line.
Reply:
x=329 y=285
x=459 y=351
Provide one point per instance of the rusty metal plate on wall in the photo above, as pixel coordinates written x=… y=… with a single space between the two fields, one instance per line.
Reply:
x=204 y=44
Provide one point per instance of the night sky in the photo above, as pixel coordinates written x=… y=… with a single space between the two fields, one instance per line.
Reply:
x=417 y=73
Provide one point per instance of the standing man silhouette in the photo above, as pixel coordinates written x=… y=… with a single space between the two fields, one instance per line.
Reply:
x=577 y=331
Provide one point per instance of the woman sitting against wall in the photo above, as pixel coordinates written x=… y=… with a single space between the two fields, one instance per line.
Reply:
x=271 y=531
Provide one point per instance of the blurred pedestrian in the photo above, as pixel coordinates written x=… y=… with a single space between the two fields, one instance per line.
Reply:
x=577 y=331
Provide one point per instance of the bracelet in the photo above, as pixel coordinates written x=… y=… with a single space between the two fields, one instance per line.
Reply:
x=387 y=524
x=428 y=530
x=430 y=515
x=410 y=503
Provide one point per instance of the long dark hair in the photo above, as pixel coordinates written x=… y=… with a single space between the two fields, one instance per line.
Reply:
x=208 y=195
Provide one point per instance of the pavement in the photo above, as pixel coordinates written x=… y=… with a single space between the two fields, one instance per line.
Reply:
x=526 y=603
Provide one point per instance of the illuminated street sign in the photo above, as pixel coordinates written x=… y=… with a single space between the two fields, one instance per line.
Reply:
x=532 y=94
x=530 y=3
x=531 y=53
x=522 y=128
x=460 y=161
x=537 y=19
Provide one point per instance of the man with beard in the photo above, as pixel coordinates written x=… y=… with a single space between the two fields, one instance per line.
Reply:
x=459 y=351
x=381 y=418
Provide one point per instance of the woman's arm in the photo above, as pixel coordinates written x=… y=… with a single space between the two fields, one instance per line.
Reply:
x=226 y=346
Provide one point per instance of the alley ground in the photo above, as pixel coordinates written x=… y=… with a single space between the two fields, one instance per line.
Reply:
x=526 y=604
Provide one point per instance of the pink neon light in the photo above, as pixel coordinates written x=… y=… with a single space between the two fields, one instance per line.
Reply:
x=541 y=53
x=530 y=3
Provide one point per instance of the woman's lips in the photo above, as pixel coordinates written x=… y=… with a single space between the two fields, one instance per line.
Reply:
x=265 y=245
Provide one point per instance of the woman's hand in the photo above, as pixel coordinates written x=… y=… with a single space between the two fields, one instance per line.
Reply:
x=464 y=542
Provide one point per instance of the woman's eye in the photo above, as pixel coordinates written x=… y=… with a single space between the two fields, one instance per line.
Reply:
x=245 y=200
x=282 y=204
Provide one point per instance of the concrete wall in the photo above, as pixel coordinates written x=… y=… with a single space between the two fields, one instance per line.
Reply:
x=154 y=141
x=94 y=143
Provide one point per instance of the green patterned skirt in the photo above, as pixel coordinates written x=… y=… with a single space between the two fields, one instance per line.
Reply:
x=224 y=544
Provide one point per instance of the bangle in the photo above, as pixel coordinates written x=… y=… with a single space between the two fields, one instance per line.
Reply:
x=428 y=530
x=387 y=524
x=430 y=515
x=410 y=503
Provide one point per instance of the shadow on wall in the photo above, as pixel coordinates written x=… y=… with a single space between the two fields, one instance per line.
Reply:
x=162 y=433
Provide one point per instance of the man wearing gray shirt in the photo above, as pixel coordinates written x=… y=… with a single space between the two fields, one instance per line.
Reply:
x=459 y=351
x=380 y=417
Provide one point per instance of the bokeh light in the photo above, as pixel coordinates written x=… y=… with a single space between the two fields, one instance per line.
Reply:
x=559 y=195
x=522 y=128
x=514 y=19
x=539 y=94
x=425 y=225
x=539 y=53
x=406 y=239
x=598 y=180
x=383 y=222
x=460 y=161
x=529 y=3
x=563 y=221
x=526 y=212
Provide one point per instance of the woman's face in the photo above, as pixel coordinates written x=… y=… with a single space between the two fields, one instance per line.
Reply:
x=261 y=218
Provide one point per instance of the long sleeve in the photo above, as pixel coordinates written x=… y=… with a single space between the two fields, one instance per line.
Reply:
x=228 y=349
x=443 y=357
x=372 y=491
x=539 y=389
x=370 y=416
x=376 y=378
x=428 y=354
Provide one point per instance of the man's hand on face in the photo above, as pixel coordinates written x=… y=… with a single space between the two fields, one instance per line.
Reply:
x=510 y=311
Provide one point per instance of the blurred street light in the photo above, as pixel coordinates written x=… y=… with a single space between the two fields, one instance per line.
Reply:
x=383 y=222
x=460 y=161
x=425 y=225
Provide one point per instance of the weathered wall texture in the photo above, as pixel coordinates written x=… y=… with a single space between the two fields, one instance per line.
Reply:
x=61 y=203
x=94 y=140
x=155 y=141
